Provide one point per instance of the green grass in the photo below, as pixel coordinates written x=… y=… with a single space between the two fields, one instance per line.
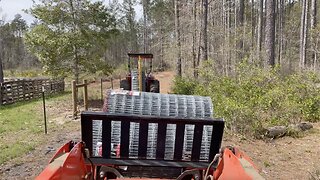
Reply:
x=22 y=126
x=15 y=150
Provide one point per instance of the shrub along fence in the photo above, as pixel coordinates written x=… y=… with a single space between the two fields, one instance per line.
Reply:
x=26 y=89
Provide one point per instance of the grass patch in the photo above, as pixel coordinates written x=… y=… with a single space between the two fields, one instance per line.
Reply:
x=15 y=150
x=21 y=124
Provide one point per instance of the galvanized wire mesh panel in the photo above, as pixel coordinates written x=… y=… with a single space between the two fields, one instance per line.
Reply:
x=159 y=105
x=155 y=104
x=152 y=143
x=135 y=80
x=205 y=145
x=170 y=141
x=97 y=135
x=134 y=140
x=187 y=146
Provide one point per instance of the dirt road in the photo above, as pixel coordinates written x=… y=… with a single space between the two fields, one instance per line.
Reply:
x=285 y=158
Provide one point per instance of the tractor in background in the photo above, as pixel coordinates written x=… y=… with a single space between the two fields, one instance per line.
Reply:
x=139 y=77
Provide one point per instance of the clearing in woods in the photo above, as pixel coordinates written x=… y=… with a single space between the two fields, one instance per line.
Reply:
x=284 y=158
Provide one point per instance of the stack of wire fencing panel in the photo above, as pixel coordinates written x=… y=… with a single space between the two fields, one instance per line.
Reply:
x=158 y=105
x=135 y=80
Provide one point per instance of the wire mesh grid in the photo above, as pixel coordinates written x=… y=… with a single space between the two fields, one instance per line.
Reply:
x=158 y=105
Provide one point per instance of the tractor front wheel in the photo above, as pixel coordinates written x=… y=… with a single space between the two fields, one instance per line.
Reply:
x=155 y=87
x=124 y=84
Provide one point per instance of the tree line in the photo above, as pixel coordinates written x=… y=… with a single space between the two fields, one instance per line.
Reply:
x=266 y=33
x=13 y=52
x=75 y=36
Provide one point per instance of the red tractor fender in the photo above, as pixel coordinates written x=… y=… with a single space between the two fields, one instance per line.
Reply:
x=236 y=165
x=67 y=163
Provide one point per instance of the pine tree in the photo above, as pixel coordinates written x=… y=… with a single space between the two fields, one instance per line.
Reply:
x=270 y=32
x=178 y=37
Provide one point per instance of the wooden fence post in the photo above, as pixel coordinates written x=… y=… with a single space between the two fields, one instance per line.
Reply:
x=85 y=95
x=0 y=94
x=74 y=97
x=62 y=85
x=111 y=82
x=23 y=83
x=101 y=89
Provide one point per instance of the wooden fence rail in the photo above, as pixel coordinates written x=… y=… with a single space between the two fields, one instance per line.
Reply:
x=27 y=89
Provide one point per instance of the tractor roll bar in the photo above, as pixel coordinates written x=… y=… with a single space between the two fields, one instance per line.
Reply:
x=142 y=55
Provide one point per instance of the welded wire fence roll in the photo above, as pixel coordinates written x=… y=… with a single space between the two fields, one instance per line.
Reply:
x=135 y=80
x=155 y=104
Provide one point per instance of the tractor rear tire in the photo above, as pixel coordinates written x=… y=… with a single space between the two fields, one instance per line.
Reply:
x=124 y=84
x=155 y=87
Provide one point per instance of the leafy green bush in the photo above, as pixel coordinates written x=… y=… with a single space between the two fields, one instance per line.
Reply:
x=256 y=98
x=184 y=86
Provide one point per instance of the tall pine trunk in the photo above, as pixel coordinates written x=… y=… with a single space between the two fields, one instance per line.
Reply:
x=303 y=33
x=194 y=35
x=313 y=17
x=145 y=5
x=1 y=65
x=1 y=69
x=260 y=29
x=252 y=28
x=240 y=24
x=178 y=38
x=161 y=47
x=270 y=32
x=313 y=22
x=200 y=37
x=280 y=29
x=205 y=30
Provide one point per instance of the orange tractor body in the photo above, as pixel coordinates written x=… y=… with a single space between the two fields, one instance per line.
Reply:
x=73 y=166
x=77 y=161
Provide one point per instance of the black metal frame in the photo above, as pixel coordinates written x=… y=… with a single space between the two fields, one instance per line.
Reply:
x=142 y=55
x=86 y=130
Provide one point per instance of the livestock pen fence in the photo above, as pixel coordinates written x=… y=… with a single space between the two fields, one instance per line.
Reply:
x=16 y=90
